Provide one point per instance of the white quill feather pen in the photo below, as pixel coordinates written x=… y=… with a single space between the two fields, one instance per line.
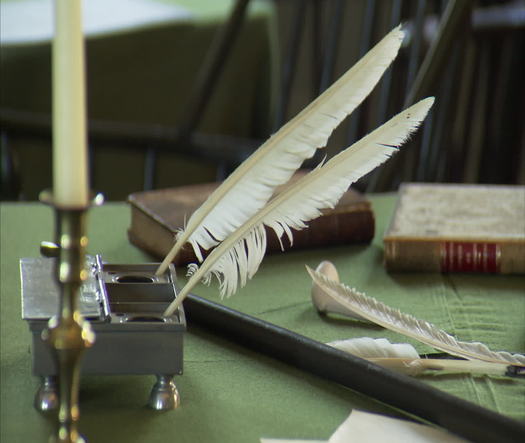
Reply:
x=395 y=320
x=251 y=185
x=238 y=257
x=403 y=357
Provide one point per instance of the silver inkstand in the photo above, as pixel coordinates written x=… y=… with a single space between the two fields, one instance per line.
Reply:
x=91 y=317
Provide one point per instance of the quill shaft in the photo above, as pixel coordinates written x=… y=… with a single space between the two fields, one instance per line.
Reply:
x=403 y=357
x=428 y=365
x=405 y=324
x=254 y=181
x=302 y=201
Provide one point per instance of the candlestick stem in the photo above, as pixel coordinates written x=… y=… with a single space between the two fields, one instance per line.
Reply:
x=68 y=333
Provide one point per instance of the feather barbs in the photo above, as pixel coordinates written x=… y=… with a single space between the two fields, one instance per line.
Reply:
x=234 y=268
x=255 y=180
x=406 y=324
x=239 y=255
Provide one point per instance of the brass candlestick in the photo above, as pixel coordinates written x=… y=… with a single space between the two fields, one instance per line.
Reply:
x=68 y=333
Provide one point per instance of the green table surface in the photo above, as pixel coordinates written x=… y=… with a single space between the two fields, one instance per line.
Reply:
x=230 y=394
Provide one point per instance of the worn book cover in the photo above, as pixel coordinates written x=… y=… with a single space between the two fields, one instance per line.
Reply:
x=157 y=215
x=457 y=228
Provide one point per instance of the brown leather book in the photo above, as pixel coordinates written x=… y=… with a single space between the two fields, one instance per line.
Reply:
x=157 y=215
x=457 y=228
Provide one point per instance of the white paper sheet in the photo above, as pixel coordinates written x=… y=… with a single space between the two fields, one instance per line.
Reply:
x=364 y=427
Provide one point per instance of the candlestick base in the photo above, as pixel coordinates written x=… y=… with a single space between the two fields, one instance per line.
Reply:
x=71 y=438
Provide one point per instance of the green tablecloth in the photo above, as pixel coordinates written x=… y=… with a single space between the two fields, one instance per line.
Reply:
x=230 y=394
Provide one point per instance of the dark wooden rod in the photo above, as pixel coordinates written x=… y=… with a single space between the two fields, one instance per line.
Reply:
x=412 y=396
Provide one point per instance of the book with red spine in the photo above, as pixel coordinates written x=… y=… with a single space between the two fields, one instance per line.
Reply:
x=457 y=228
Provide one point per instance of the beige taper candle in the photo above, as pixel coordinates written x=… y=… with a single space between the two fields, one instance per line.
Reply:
x=70 y=178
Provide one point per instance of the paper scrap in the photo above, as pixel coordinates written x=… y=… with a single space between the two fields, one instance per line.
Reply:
x=365 y=427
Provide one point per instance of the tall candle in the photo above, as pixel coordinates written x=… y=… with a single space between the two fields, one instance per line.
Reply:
x=70 y=181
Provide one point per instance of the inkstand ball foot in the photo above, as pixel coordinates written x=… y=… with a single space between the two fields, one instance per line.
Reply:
x=164 y=394
x=46 y=398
